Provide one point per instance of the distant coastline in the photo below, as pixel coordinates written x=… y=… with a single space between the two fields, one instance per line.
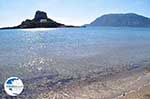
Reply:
x=121 y=20
x=41 y=20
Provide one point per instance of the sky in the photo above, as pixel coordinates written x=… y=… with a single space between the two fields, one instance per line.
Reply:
x=69 y=12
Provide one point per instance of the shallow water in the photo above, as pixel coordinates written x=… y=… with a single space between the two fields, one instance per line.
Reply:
x=71 y=51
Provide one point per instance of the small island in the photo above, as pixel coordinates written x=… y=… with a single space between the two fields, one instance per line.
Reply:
x=40 y=20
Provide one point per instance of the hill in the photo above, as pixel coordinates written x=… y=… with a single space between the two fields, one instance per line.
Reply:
x=129 y=19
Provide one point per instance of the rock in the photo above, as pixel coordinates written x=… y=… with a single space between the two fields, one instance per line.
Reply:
x=40 y=15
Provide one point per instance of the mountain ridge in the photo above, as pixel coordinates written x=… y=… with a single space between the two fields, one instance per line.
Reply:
x=128 y=19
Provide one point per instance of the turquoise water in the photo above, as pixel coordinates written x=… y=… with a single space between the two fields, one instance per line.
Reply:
x=72 y=51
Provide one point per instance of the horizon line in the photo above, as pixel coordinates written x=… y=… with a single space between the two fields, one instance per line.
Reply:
x=82 y=23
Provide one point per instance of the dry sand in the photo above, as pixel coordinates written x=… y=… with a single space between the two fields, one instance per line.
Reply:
x=143 y=93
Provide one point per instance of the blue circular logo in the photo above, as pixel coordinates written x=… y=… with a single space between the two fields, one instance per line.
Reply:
x=13 y=86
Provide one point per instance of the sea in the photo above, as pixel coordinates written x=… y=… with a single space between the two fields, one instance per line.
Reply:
x=72 y=52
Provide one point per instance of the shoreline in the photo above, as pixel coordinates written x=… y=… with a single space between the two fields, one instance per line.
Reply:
x=110 y=88
x=106 y=83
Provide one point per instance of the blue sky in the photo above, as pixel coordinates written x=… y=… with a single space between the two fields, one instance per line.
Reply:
x=74 y=12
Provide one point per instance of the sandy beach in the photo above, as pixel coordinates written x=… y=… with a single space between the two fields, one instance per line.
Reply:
x=140 y=93
x=143 y=93
x=120 y=86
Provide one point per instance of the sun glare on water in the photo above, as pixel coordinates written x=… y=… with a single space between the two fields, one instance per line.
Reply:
x=39 y=29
